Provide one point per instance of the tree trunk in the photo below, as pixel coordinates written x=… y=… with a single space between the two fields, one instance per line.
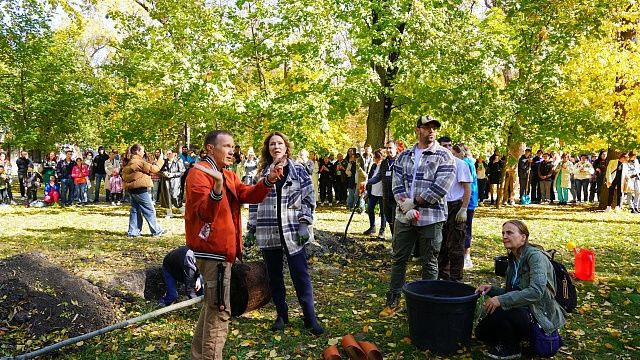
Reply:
x=249 y=287
x=380 y=106
x=504 y=169
x=377 y=120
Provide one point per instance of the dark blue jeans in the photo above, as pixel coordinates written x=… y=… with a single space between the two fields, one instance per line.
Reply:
x=371 y=211
x=171 y=294
x=99 y=179
x=141 y=206
x=582 y=188
x=66 y=191
x=300 y=277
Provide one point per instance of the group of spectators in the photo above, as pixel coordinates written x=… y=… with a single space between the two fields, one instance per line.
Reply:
x=562 y=178
x=79 y=178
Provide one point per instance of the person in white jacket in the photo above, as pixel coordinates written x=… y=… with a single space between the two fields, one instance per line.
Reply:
x=616 y=178
x=582 y=172
x=633 y=183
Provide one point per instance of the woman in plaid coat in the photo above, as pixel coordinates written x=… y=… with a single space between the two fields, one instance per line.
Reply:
x=281 y=225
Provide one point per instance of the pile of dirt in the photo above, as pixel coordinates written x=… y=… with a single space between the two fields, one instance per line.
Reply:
x=44 y=297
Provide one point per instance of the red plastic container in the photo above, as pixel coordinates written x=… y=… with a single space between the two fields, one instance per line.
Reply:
x=585 y=264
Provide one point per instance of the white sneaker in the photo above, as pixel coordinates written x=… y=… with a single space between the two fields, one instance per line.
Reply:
x=618 y=209
x=113 y=203
x=468 y=264
x=608 y=209
x=118 y=203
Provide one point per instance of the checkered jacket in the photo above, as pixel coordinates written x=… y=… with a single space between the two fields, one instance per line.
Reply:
x=297 y=202
x=436 y=173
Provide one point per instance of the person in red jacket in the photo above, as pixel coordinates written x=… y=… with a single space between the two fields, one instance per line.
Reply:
x=213 y=231
x=80 y=173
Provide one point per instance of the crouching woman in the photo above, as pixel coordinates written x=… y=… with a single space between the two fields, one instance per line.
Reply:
x=526 y=309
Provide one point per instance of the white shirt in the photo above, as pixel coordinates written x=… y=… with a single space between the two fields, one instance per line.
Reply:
x=463 y=175
x=376 y=189
x=416 y=162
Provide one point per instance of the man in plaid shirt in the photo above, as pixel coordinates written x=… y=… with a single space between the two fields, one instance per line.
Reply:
x=422 y=177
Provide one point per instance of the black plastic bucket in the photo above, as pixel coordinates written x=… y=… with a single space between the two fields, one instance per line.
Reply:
x=440 y=314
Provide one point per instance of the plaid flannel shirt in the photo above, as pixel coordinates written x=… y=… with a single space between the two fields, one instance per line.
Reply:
x=297 y=202
x=436 y=173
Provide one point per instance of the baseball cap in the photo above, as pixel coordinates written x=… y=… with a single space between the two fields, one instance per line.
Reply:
x=426 y=119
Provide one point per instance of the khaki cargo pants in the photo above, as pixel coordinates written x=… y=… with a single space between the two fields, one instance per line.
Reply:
x=213 y=324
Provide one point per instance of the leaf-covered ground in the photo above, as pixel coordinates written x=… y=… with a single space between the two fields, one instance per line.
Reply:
x=91 y=242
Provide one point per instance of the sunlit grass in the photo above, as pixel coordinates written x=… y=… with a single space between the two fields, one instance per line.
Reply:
x=92 y=243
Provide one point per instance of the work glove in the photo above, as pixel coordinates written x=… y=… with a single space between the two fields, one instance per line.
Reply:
x=461 y=216
x=406 y=205
x=303 y=233
x=250 y=236
x=412 y=215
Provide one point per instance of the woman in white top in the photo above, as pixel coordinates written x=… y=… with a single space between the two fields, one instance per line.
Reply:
x=374 y=190
x=582 y=172
x=633 y=183
x=315 y=168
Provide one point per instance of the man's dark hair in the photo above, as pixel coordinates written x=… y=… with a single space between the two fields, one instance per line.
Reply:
x=100 y=148
x=444 y=139
x=68 y=151
x=392 y=142
x=212 y=136
x=529 y=150
x=135 y=148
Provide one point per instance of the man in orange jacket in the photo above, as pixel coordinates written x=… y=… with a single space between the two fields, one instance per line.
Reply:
x=213 y=232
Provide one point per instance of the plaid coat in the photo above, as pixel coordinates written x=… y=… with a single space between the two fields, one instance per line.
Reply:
x=297 y=202
x=436 y=173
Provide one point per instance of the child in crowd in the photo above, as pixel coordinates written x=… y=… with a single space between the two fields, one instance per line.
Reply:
x=32 y=182
x=52 y=191
x=179 y=265
x=80 y=174
x=115 y=185
x=4 y=184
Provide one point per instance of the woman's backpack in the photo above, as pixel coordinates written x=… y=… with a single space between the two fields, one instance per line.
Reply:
x=566 y=294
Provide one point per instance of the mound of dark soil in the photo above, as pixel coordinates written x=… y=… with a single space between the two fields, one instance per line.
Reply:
x=44 y=297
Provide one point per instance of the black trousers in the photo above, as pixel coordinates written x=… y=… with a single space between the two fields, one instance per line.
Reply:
x=535 y=189
x=389 y=207
x=615 y=190
x=505 y=327
x=326 y=189
x=451 y=256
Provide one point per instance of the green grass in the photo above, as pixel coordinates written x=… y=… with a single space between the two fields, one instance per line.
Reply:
x=91 y=242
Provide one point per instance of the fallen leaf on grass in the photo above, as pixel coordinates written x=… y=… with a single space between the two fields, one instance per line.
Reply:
x=149 y=348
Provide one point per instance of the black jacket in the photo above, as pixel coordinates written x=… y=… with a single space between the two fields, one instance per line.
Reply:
x=181 y=264
x=524 y=166
x=23 y=165
x=63 y=170
x=98 y=164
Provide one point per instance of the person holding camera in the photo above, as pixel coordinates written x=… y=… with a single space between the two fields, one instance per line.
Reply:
x=281 y=224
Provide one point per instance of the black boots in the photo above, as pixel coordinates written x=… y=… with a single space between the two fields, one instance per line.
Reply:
x=316 y=328
x=280 y=323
